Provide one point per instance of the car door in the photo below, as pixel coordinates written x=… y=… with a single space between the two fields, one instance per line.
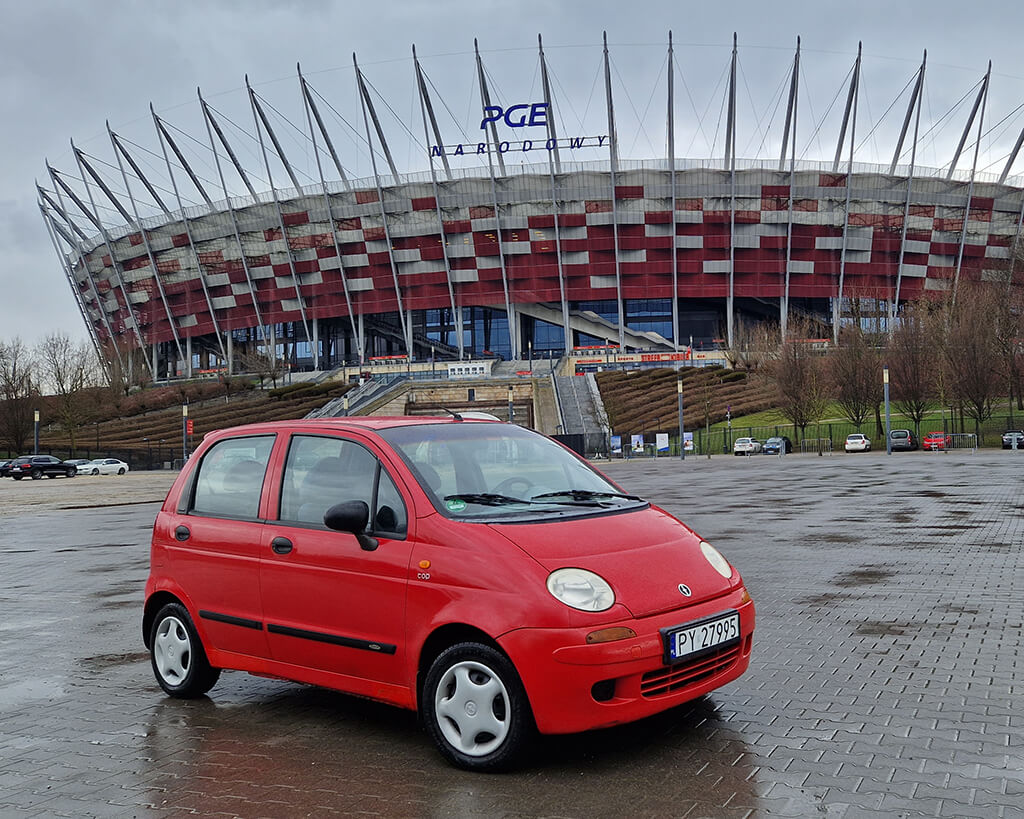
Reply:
x=215 y=537
x=330 y=602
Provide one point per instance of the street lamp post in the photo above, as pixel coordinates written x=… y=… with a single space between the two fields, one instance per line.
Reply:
x=529 y=346
x=184 y=431
x=885 y=387
x=149 y=464
x=96 y=426
x=511 y=412
x=682 y=436
x=35 y=448
x=159 y=453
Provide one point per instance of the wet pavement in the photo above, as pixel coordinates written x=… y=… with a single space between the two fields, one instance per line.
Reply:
x=885 y=680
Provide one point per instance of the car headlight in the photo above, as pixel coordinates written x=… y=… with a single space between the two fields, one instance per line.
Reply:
x=714 y=557
x=580 y=589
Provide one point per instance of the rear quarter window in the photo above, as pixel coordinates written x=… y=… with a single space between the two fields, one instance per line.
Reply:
x=230 y=478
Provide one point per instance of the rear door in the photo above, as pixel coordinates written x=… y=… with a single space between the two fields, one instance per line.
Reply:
x=330 y=602
x=215 y=539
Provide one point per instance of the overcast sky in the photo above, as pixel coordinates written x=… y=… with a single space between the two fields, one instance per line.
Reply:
x=67 y=67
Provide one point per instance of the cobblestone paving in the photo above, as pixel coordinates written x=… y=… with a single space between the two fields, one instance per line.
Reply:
x=885 y=679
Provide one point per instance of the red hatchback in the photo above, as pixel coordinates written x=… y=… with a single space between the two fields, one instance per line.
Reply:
x=476 y=571
x=936 y=440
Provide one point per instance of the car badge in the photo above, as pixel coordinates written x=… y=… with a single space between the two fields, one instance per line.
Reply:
x=685 y=590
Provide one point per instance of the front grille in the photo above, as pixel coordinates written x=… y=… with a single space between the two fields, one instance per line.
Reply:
x=672 y=678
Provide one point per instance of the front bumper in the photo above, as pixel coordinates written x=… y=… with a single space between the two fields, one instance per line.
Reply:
x=574 y=686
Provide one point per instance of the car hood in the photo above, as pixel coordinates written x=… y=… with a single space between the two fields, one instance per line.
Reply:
x=644 y=554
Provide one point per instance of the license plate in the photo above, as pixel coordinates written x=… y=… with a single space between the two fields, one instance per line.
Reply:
x=690 y=639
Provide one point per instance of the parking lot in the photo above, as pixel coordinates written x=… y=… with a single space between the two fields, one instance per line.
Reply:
x=885 y=679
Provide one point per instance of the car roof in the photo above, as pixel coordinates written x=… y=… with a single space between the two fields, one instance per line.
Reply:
x=370 y=423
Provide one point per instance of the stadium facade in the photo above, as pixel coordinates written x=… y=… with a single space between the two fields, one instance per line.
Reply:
x=523 y=251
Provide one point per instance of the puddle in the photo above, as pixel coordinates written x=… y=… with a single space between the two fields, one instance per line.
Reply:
x=863 y=577
x=102 y=661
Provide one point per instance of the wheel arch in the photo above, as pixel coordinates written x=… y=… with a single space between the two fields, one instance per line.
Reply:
x=156 y=602
x=445 y=637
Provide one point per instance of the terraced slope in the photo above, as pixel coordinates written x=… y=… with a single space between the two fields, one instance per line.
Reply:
x=639 y=400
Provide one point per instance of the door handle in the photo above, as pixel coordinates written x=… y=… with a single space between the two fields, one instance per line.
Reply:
x=281 y=545
x=182 y=533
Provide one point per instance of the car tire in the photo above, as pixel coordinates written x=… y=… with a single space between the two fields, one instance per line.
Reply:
x=71 y=472
x=475 y=708
x=36 y=474
x=177 y=654
x=17 y=477
x=95 y=472
x=120 y=471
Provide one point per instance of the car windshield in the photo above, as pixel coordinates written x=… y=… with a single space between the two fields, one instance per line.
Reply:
x=489 y=471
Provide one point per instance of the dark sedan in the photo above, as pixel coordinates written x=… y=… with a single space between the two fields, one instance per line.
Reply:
x=776 y=444
x=38 y=466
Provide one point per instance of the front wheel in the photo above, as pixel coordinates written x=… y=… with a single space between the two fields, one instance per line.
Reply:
x=36 y=474
x=120 y=471
x=179 y=661
x=71 y=472
x=475 y=708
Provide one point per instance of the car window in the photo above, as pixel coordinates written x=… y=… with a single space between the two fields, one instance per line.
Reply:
x=390 y=515
x=322 y=471
x=230 y=478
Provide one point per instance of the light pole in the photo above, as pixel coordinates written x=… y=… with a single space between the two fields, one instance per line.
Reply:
x=344 y=405
x=682 y=436
x=150 y=446
x=885 y=388
x=529 y=346
x=96 y=426
x=511 y=412
x=159 y=453
x=35 y=447
x=184 y=431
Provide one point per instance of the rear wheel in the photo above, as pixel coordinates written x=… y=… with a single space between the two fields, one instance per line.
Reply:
x=475 y=708
x=120 y=471
x=36 y=474
x=71 y=472
x=179 y=661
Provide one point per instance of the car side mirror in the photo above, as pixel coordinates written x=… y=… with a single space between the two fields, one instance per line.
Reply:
x=351 y=516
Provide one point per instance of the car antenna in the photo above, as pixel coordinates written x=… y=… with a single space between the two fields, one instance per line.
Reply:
x=453 y=413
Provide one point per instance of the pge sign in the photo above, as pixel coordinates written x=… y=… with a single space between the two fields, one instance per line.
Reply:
x=525 y=115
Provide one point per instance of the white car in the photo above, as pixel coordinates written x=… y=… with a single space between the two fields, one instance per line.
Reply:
x=104 y=466
x=746 y=446
x=855 y=442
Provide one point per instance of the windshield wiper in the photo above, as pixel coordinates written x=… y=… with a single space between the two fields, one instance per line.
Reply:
x=586 y=494
x=486 y=498
x=491 y=499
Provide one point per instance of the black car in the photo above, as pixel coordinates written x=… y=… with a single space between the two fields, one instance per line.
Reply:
x=1010 y=435
x=5 y=468
x=902 y=440
x=776 y=443
x=36 y=466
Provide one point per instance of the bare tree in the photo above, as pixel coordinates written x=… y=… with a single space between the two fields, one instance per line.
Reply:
x=129 y=370
x=17 y=393
x=856 y=370
x=68 y=368
x=972 y=351
x=801 y=378
x=913 y=362
x=264 y=367
x=755 y=345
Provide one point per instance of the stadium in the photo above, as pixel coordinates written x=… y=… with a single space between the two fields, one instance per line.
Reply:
x=516 y=236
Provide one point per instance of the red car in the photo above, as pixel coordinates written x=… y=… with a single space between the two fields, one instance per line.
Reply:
x=476 y=571
x=936 y=440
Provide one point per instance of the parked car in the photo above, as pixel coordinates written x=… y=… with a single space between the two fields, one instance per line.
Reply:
x=746 y=446
x=80 y=464
x=902 y=440
x=475 y=571
x=5 y=468
x=775 y=444
x=39 y=466
x=856 y=442
x=106 y=466
x=936 y=441
x=1013 y=434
